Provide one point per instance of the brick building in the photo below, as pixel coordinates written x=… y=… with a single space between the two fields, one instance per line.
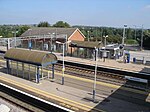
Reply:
x=45 y=38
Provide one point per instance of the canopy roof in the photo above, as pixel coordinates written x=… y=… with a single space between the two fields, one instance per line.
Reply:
x=31 y=57
x=86 y=44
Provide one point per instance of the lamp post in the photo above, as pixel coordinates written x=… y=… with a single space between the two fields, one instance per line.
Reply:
x=29 y=41
x=14 y=32
x=51 y=35
x=123 y=34
x=142 y=39
x=104 y=54
x=105 y=40
x=135 y=31
x=63 y=69
x=88 y=35
x=94 y=86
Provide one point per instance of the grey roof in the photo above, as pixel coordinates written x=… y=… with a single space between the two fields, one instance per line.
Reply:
x=86 y=44
x=31 y=57
x=46 y=30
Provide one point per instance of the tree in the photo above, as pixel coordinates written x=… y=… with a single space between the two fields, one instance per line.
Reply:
x=22 y=29
x=44 y=24
x=61 y=24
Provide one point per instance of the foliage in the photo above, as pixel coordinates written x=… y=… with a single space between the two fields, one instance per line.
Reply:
x=131 y=41
x=61 y=24
x=94 y=33
x=7 y=31
x=43 y=24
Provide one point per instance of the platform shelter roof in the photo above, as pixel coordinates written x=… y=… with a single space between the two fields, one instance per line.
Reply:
x=31 y=57
x=86 y=44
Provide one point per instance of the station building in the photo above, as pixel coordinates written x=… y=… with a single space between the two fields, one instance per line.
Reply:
x=45 y=38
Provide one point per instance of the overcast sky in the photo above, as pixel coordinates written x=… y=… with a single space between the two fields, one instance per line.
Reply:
x=113 y=13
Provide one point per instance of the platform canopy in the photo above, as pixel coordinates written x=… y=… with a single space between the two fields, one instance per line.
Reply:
x=38 y=58
x=86 y=44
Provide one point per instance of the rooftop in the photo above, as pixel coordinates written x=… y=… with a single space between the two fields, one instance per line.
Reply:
x=86 y=44
x=48 y=30
x=32 y=57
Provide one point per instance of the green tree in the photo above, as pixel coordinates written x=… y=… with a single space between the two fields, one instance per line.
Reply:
x=43 y=24
x=61 y=24
x=22 y=29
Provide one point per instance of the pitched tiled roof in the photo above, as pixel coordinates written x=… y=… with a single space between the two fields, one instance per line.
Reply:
x=47 y=30
x=86 y=44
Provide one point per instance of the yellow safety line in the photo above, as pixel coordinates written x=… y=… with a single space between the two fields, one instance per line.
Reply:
x=106 y=84
x=50 y=95
x=101 y=83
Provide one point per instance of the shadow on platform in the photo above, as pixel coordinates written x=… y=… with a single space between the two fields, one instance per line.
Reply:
x=123 y=100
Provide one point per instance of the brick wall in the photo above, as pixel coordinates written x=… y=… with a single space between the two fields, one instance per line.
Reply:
x=77 y=36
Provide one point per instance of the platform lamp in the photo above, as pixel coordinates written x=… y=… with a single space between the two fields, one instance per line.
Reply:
x=51 y=35
x=29 y=40
x=15 y=32
x=124 y=28
x=104 y=53
x=63 y=69
x=94 y=86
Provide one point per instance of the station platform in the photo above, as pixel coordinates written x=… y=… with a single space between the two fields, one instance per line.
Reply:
x=109 y=63
x=76 y=93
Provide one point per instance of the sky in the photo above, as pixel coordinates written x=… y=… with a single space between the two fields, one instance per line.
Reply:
x=110 y=13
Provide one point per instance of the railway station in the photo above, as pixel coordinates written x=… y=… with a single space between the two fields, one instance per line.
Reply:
x=74 y=79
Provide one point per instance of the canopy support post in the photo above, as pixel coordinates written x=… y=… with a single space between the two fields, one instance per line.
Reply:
x=52 y=71
x=37 y=75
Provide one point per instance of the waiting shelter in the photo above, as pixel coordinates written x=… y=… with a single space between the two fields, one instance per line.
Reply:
x=84 y=49
x=29 y=61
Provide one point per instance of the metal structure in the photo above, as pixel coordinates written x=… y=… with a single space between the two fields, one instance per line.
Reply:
x=124 y=28
x=94 y=86
x=142 y=39
x=38 y=59
x=63 y=69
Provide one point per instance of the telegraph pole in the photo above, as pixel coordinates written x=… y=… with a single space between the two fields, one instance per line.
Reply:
x=142 y=39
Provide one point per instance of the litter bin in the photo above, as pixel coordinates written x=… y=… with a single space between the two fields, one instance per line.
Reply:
x=134 y=60
x=128 y=58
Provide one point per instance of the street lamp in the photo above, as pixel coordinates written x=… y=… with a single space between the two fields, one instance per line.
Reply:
x=94 y=86
x=142 y=39
x=135 y=31
x=123 y=34
x=63 y=69
x=105 y=40
x=29 y=41
x=14 y=32
x=51 y=35
x=88 y=35
x=104 y=53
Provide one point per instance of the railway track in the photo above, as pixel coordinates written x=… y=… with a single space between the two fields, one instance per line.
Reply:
x=89 y=74
x=26 y=102
x=102 y=76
